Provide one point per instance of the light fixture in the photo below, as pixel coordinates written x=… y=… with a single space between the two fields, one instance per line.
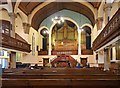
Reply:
x=80 y=30
x=45 y=31
x=58 y=19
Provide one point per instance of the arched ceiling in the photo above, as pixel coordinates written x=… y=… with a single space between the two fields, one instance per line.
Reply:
x=57 y=6
x=69 y=23
x=28 y=6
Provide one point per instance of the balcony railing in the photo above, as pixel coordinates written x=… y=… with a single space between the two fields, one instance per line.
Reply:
x=110 y=31
x=12 y=43
x=68 y=52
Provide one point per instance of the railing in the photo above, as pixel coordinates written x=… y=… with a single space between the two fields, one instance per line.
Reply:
x=110 y=31
x=12 y=43
x=68 y=52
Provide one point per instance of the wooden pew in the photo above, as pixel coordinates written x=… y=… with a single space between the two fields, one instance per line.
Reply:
x=63 y=83
x=67 y=78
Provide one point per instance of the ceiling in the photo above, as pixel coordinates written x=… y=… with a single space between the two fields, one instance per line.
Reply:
x=3 y=1
x=27 y=7
x=53 y=7
x=57 y=6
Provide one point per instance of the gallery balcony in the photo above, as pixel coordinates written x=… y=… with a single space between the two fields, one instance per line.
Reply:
x=12 y=43
x=110 y=31
x=67 y=52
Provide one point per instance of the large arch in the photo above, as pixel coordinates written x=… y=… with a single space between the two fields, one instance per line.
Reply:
x=74 y=6
x=65 y=18
x=43 y=28
x=89 y=25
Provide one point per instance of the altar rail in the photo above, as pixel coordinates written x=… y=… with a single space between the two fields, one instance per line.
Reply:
x=110 y=31
x=12 y=43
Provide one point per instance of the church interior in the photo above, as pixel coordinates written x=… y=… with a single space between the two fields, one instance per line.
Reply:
x=60 y=43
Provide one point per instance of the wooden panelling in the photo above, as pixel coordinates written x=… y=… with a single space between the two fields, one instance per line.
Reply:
x=12 y=43
x=68 y=52
x=60 y=78
x=66 y=45
x=58 y=52
x=42 y=52
x=87 y=52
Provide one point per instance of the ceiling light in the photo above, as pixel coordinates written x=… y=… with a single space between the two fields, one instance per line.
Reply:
x=58 y=19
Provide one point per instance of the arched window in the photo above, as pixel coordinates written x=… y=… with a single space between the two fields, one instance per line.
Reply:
x=44 y=33
x=88 y=36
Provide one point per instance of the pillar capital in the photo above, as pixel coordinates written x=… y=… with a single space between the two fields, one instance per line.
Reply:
x=26 y=27
x=12 y=15
x=99 y=22
x=107 y=7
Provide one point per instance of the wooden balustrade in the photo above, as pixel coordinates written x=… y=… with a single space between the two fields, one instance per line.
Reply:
x=12 y=43
x=110 y=31
x=68 y=52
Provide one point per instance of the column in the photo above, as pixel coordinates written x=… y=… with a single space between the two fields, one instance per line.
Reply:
x=50 y=48
x=109 y=56
x=106 y=65
x=107 y=9
x=12 y=22
x=113 y=53
x=79 y=42
x=13 y=59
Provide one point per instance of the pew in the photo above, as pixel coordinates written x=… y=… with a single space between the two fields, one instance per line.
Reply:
x=60 y=77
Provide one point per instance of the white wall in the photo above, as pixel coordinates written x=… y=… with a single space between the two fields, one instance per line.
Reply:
x=4 y=15
x=37 y=39
x=115 y=7
x=19 y=28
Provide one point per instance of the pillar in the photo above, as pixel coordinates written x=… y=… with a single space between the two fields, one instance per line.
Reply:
x=107 y=9
x=106 y=64
x=12 y=22
x=79 y=42
x=13 y=59
x=50 y=48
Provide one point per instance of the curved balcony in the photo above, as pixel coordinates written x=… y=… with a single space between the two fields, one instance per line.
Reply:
x=12 y=43
x=110 y=31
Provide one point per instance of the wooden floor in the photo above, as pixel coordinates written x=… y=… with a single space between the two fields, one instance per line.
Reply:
x=60 y=78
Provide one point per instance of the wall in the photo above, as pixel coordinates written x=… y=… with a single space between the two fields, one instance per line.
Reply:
x=19 y=28
x=37 y=39
x=115 y=7
x=4 y=15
